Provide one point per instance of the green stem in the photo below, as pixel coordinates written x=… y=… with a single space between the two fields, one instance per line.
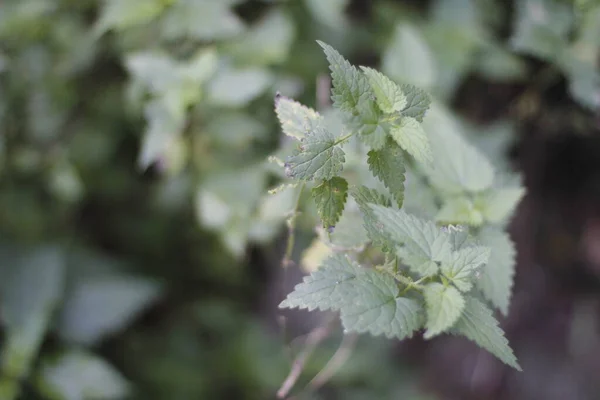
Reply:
x=343 y=138
x=291 y=223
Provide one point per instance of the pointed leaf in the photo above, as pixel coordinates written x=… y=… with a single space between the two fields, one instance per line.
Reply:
x=389 y=95
x=295 y=119
x=479 y=325
x=459 y=210
x=387 y=164
x=409 y=134
x=423 y=242
x=349 y=85
x=417 y=102
x=461 y=265
x=444 y=306
x=496 y=278
x=363 y=197
x=319 y=157
x=498 y=204
x=330 y=198
x=376 y=140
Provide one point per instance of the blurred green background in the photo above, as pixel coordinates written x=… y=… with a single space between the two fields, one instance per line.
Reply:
x=140 y=251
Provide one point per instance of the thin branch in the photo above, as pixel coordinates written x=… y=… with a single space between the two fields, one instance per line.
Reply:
x=314 y=338
x=291 y=224
x=340 y=357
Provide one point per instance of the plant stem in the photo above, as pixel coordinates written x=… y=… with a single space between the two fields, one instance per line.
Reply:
x=291 y=223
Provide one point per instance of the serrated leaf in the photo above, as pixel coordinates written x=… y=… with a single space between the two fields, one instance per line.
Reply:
x=444 y=306
x=417 y=102
x=319 y=157
x=459 y=210
x=409 y=59
x=423 y=242
x=461 y=265
x=496 y=278
x=363 y=197
x=409 y=134
x=349 y=85
x=328 y=288
x=387 y=165
x=296 y=119
x=458 y=166
x=389 y=95
x=478 y=324
x=367 y=300
x=330 y=198
x=376 y=140
x=498 y=204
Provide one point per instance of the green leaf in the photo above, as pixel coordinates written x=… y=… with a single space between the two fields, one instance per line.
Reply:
x=459 y=210
x=461 y=265
x=417 y=102
x=424 y=243
x=444 y=306
x=319 y=157
x=387 y=164
x=408 y=58
x=409 y=134
x=377 y=139
x=202 y=20
x=121 y=15
x=458 y=166
x=496 y=278
x=349 y=85
x=363 y=197
x=368 y=300
x=330 y=198
x=498 y=204
x=478 y=324
x=236 y=87
x=541 y=27
x=296 y=119
x=329 y=13
x=389 y=95
x=81 y=375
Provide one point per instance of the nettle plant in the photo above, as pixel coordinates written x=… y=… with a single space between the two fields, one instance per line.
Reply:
x=437 y=269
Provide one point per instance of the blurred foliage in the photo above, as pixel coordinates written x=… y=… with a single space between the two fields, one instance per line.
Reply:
x=137 y=235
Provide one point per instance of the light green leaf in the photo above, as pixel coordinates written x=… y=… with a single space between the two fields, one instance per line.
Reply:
x=329 y=13
x=387 y=164
x=202 y=20
x=164 y=126
x=409 y=134
x=389 y=95
x=368 y=300
x=330 y=198
x=80 y=375
x=349 y=85
x=458 y=166
x=424 y=243
x=236 y=87
x=417 y=102
x=363 y=197
x=444 y=306
x=101 y=305
x=319 y=157
x=377 y=139
x=498 y=204
x=408 y=58
x=121 y=15
x=296 y=119
x=541 y=27
x=460 y=266
x=267 y=42
x=496 y=278
x=478 y=324
x=459 y=210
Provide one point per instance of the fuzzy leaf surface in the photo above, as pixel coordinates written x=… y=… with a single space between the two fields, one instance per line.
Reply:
x=319 y=157
x=417 y=102
x=479 y=325
x=444 y=306
x=409 y=134
x=363 y=197
x=496 y=279
x=387 y=165
x=330 y=198
x=349 y=85
x=295 y=119
x=389 y=95
x=460 y=265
